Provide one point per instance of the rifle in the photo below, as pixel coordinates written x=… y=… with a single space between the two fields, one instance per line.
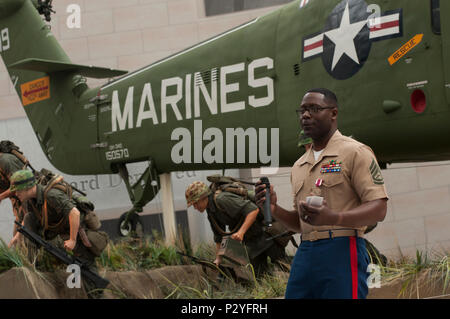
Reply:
x=98 y=281
x=225 y=271
x=200 y=261
x=286 y=233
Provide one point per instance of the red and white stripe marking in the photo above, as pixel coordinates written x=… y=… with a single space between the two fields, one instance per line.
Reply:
x=303 y=3
x=313 y=46
x=384 y=26
x=380 y=27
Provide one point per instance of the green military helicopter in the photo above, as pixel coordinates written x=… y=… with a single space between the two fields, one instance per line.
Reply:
x=230 y=101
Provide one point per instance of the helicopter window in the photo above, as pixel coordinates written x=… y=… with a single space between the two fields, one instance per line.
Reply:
x=436 y=16
x=215 y=7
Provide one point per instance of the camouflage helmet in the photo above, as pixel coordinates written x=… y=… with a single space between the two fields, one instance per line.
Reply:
x=22 y=180
x=196 y=191
x=303 y=139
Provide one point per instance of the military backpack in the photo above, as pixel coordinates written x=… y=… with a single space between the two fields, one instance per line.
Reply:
x=11 y=148
x=92 y=238
x=221 y=183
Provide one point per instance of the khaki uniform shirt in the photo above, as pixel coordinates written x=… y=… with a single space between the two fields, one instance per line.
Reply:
x=348 y=174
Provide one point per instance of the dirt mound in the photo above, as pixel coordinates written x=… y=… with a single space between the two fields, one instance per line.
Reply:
x=422 y=286
x=152 y=284
x=22 y=283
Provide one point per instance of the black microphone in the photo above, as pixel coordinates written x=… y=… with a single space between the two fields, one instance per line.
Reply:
x=266 y=208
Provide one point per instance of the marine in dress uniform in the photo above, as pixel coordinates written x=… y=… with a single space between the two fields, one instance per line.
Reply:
x=332 y=260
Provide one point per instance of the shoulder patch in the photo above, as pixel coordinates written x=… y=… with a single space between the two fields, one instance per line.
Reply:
x=375 y=172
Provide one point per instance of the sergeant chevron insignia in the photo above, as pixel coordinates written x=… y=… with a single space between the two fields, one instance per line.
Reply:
x=375 y=172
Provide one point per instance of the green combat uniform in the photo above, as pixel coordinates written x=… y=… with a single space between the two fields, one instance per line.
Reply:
x=58 y=208
x=231 y=209
x=304 y=140
x=48 y=216
x=9 y=164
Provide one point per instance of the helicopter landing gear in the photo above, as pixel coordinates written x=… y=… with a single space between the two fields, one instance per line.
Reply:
x=130 y=224
x=140 y=193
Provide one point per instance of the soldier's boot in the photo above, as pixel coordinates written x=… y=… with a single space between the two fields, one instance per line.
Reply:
x=88 y=258
x=261 y=264
x=91 y=290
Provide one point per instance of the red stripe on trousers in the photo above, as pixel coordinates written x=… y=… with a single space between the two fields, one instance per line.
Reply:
x=354 y=266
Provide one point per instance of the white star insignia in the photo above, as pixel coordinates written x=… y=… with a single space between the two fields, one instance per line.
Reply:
x=343 y=38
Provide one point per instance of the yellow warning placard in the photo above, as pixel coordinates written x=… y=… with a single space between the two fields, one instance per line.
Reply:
x=405 y=48
x=35 y=91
